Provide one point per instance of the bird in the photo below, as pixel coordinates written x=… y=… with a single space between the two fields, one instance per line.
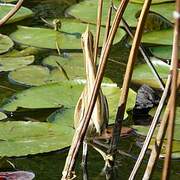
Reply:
x=100 y=114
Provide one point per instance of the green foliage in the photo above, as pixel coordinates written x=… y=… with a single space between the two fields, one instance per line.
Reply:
x=5 y=44
x=20 y=15
x=12 y=63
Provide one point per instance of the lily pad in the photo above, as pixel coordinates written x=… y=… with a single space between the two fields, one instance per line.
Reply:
x=8 y=1
x=163 y=37
x=34 y=75
x=89 y=7
x=112 y=94
x=153 y=1
x=177 y=120
x=45 y=96
x=48 y=38
x=20 y=15
x=12 y=63
x=143 y=130
x=143 y=75
x=5 y=44
x=2 y=116
x=162 y=52
x=66 y=94
x=73 y=64
x=20 y=138
x=68 y=59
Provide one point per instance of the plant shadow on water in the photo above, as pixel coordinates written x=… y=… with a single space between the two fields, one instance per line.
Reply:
x=49 y=166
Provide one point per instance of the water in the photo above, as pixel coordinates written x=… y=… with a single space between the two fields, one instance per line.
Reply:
x=49 y=166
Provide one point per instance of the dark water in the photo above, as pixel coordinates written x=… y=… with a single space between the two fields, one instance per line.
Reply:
x=49 y=166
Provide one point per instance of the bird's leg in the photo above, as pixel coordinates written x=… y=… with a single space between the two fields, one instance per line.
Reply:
x=84 y=154
x=108 y=158
x=84 y=160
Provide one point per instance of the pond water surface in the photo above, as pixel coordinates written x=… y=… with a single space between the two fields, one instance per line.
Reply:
x=49 y=166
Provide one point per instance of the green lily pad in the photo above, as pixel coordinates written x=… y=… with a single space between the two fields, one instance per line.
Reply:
x=163 y=37
x=143 y=75
x=8 y=1
x=20 y=15
x=34 y=75
x=112 y=94
x=153 y=1
x=177 y=120
x=162 y=52
x=2 y=116
x=20 y=138
x=143 y=130
x=73 y=64
x=5 y=44
x=12 y=63
x=66 y=94
x=70 y=59
x=48 y=38
x=46 y=96
x=89 y=7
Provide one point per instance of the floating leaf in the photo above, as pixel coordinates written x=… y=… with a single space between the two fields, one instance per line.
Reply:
x=89 y=7
x=162 y=52
x=177 y=120
x=163 y=37
x=20 y=138
x=66 y=94
x=153 y=1
x=2 y=116
x=21 y=14
x=143 y=130
x=5 y=43
x=48 y=38
x=143 y=75
x=8 y=1
x=34 y=75
x=12 y=63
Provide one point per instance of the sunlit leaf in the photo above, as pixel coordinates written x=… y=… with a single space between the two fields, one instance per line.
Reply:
x=20 y=138
x=69 y=38
x=153 y=1
x=89 y=7
x=163 y=37
x=5 y=43
x=12 y=63
x=143 y=75
x=20 y=15
x=162 y=52
x=2 y=116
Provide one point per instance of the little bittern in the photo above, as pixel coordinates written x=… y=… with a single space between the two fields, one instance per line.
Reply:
x=100 y=115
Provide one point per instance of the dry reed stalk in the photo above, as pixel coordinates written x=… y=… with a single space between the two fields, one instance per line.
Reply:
x=151 y=130
x=81 y=130
x=98 y=29
x=108 y=23
x=128 y=75
x=174 y=71
x=144 y=53
x=11 y=13
x=157 y=144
